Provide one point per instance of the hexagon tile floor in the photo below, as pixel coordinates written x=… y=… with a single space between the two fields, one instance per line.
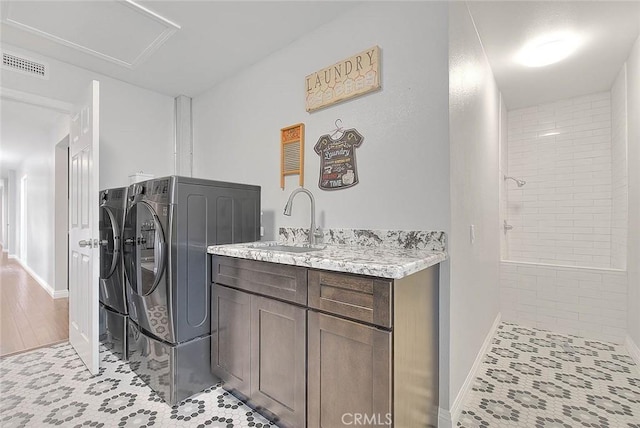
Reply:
x=539 y=379
x=50 y=386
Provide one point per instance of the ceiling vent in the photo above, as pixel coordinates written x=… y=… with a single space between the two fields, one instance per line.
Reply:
x=24 y=65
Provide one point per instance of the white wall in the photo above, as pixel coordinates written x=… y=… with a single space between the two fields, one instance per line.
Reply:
x=3 y=214
x=633 y=132
x=563 y=214
x=136 y=133
x=402 y=163
x=503 y=185
x=136 y=125
x=474 y=140
x=620 y=196
x=40 y=199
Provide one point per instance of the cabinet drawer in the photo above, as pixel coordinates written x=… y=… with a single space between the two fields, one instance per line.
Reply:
x=269 y=279
x=360 y=298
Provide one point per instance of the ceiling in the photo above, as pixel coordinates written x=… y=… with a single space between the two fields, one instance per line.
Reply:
x=608 y=28
x=143 y=45
x=23 y=131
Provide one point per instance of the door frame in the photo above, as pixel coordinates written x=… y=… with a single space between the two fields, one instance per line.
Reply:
x=61 y=219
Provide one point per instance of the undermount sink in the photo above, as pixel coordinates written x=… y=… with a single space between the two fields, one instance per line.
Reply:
x=302 y=248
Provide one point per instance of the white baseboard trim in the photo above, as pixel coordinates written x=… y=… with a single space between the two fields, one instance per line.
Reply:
x=633 y=349
x=12 y=256
x=53 y=293
x=444 y=418
x=456 y=408
x=60 y=294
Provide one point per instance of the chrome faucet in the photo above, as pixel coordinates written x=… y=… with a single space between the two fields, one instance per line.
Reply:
x=313 y=233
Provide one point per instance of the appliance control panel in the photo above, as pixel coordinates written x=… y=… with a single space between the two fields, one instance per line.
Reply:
x=160 y=187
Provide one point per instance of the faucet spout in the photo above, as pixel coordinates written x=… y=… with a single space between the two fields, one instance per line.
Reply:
x=289 y=205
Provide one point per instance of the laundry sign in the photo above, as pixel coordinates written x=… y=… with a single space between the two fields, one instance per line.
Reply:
x=349 y=78
x=338 y=168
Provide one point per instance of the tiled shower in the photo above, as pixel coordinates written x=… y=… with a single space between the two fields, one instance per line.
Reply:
x=564 y=254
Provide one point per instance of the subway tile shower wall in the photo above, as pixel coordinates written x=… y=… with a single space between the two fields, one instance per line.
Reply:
x=586 y=302
x=563 y=150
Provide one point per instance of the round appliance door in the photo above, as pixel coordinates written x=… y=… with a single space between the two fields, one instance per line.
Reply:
x=143 y=248
x=109 y=242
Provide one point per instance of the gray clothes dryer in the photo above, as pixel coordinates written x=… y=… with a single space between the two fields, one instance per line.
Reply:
x=169 y=224
x=113 y=301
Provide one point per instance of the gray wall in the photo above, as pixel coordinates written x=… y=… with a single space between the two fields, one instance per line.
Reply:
x=403 y=161
x=633 y=242
x=474 y=139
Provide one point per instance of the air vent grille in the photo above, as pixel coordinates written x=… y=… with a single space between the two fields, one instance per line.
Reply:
x=24 y=65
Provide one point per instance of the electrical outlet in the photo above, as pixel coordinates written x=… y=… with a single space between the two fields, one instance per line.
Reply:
x=472 y=234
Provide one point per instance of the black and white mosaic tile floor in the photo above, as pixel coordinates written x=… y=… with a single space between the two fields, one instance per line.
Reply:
x=51 y=386
x=539 y=379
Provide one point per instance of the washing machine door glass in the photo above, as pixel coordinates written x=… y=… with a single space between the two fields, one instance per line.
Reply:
x=109 y=242
x=143 y=248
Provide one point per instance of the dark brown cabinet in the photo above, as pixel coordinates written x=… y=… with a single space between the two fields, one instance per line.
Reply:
x=231 y=338
x=278 y=360
x=318 y=349
x=349 y=369
x=259 y=344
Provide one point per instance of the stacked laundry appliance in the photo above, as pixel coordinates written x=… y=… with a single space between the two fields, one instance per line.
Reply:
x=113 y=301
x=169 y=224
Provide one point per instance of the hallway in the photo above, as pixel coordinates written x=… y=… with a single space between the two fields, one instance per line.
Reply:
x=29 y=316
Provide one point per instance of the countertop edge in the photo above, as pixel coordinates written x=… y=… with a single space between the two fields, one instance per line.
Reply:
x=316 y=261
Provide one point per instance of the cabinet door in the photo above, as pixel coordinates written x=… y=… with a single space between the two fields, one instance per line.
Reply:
x=231 y=338
x=349 y=370
x=278 y=352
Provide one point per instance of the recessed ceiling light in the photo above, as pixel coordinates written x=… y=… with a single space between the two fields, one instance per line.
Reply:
x=548 y=49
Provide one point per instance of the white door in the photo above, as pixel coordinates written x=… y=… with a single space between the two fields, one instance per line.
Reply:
x=84 y=263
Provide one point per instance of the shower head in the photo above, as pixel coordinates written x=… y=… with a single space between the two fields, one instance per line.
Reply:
x=520 y=183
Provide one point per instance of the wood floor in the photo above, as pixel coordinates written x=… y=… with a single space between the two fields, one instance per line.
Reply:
x=29 y=316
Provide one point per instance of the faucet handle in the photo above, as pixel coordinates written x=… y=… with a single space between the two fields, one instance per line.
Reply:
x=318 y=234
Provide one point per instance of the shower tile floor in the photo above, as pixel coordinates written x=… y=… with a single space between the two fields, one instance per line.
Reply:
x=50 y=386
x=540 y=379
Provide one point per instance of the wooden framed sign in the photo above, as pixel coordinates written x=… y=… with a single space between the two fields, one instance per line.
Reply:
x=349 y=78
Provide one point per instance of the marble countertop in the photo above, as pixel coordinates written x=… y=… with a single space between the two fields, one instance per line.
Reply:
x=385 y=261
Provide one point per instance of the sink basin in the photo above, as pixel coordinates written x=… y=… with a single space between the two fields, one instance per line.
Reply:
x=287 y=248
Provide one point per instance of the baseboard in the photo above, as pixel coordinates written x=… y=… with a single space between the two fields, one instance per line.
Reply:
x=12 y=256
x=60 y=294
x=444 y=418
x=456 y=408
x=55 y=294
x=633 y=349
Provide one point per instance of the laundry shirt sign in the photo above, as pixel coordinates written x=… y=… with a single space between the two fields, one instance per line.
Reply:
x=338 y=160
